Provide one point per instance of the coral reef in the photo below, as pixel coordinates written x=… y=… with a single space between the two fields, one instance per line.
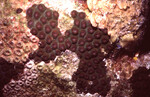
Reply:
x=9 y=71
x=43 y=24
x=38 y=80
x=140 y=82
x=122 y=67
x=88 y=95
x=82 y=4
x=15 y=44
x=65 y=65
x=90 y=44
x=91 y=78
x=80 y=39
x=120 y=88
x=123 y=18
x=143 y=60
x=68 y=57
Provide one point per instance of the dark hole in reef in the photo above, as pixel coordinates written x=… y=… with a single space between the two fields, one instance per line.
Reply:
x=12 y=72
x=145 y=47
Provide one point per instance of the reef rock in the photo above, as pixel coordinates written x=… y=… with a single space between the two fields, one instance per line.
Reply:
x=124 y=19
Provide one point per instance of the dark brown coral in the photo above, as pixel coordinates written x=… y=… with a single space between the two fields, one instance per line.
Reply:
x=140 y=82
x=82 y=38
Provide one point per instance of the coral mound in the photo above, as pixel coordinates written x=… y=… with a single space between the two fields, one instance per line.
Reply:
x=91 y=44
x=82 y=38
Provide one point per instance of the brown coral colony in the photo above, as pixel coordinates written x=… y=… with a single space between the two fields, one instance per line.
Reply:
x=82 y=38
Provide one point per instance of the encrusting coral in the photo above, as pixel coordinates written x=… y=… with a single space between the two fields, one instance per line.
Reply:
x=38 y=80
x=84 y=49
x=16 y=44
x=124 y=19
x=91 y=45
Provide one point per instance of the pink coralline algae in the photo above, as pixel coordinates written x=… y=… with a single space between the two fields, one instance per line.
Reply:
x=91 y=45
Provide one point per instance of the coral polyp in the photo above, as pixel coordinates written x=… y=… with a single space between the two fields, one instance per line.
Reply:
x=39 y=80
x=15 y=44
x=83 y=39
x=78 y=37
x=74 y=48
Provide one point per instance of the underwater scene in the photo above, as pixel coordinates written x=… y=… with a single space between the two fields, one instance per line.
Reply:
x=74 y=48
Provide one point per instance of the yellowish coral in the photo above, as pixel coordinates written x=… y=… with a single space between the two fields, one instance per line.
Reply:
x=120 y=17
x=66 y=65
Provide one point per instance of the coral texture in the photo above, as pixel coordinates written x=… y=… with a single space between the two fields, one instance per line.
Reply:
x=122 y=67
x=38 y=80
x=123 y=18
x=82 y=38
x=8 y=71
x=91 y=44
x=15 y=44
x=65 y=65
